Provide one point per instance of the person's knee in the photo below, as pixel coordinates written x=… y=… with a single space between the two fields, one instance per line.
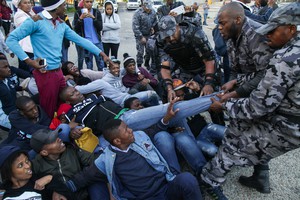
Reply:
x=187 y=180
x=164 y=138
x=183 y=140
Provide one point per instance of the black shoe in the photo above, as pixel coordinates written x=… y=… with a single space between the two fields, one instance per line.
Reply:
x=260 y=183
x=216 y=193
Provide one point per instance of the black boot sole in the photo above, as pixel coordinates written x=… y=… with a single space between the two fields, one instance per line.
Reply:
x=245 y=181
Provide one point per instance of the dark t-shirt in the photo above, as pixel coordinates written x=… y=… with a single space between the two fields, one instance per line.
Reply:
x=28 y=191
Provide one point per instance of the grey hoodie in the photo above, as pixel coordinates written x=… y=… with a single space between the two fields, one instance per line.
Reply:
x=115 y=81
x=111 y=26
x=106 y=90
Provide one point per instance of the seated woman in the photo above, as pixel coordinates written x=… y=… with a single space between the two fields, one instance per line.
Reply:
x=19 y=182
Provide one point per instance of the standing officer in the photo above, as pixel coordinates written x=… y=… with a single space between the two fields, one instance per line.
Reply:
x=144 y=19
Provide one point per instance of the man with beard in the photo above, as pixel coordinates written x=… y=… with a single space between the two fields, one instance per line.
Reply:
x=264 y=125
x=249 y=56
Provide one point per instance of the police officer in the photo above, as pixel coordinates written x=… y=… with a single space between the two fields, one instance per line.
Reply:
x=249 y=55
x=267 y=123
x=188 y=46
x=144 y=19
x=166 y=9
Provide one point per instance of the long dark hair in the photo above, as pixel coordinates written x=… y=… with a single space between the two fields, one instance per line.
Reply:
x=6 y=169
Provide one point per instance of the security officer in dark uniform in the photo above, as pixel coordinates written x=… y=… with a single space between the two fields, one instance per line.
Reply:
x=188 y=46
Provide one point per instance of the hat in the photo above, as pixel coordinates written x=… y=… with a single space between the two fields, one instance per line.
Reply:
x=16 y=3
x=127 y=60
x=285 y=15
x=88 y=141
x=178 y=84
x=51 y=4
x=114 y=60
x=166 y=26
x=63 y=108
x=147 y=4
x=6 y=151
x=43 y=137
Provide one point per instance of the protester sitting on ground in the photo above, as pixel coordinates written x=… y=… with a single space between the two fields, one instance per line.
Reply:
x=19 y=182
x=9 y=85
x=208 y=135
x=95 y=111
x=100 y=109
x=114 y=77
x=135 y=181
x=183 y=139
x=140 y=81
x=71 y=72
x=64 y=160
x=149 y=98
x=27 y=119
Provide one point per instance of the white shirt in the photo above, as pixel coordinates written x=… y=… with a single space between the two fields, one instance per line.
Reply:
x=19 y=18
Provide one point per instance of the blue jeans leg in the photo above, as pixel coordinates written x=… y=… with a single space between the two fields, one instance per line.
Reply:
x=165 y=143
x=64 y=53
x=80 y=56
x=144 y=118
x=99 y=60
x=209 y=135
x=187 y=146
x=184 y=186
x=150 y=98
x=98 y=191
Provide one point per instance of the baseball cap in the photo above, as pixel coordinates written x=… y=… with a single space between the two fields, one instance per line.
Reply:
x=6 y=151
x=42 y=137
x=166 y=26
x=285 y=15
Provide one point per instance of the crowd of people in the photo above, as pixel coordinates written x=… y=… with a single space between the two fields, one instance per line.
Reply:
x=136 y=130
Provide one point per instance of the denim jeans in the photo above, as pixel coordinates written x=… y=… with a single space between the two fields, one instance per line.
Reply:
x=98 y=191
x=99 y=61
x=64 y=54
x=165 y=143
x=148 y=98
x=80 y=56
x=183 y=186
x=146 y=117
x=187 y=146
x=209 y=135
x=205 y=17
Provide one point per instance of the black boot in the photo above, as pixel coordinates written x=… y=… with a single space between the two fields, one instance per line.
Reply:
x=259 y=179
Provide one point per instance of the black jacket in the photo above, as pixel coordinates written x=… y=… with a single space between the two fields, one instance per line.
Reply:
x=79 y=24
